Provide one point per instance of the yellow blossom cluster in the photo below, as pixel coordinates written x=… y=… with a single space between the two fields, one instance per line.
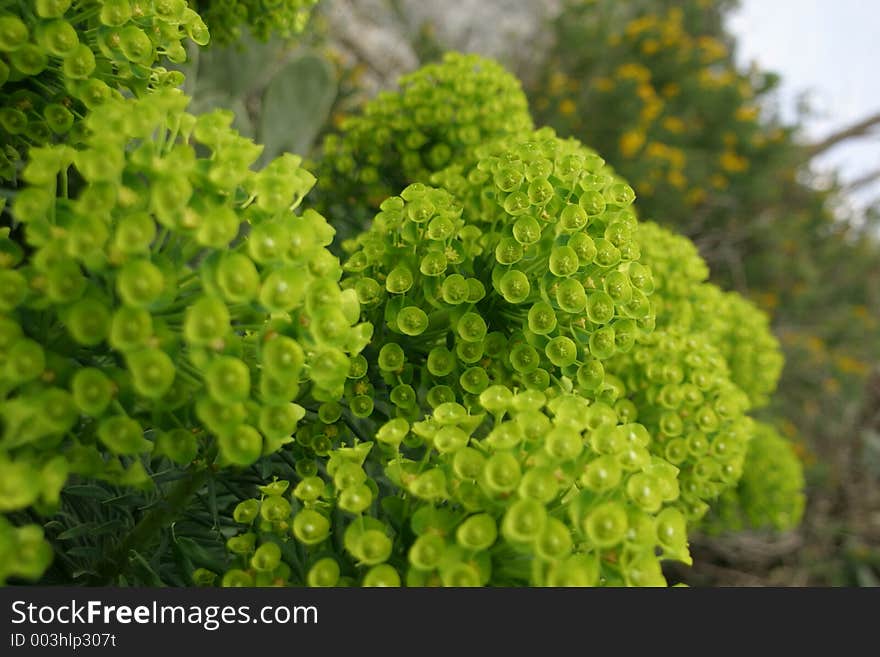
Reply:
x=655 y=92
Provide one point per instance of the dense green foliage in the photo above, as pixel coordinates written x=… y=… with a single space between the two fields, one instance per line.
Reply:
x=62 y=59
x=770 y=493
x=132 y=318
x=508 y=379
x=262 y=18
x=657 y=88
x=735 y=326
x=440 y=115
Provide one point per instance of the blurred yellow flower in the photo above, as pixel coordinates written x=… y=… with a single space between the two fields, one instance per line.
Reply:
x=639 y=25
x=715 y=79
x=567 y=107
x=711 y=48
x=630 y=142
x=849 y=365
x=695 y=196
x=705 y=78
x=816 y=345
x=651 y=110
x=733 y=163
x=633 y=71
x=676 y=179
x=677 y=157
x=718 y=181
x=745 y=89
x=672 y=36
x=674 y=156
x=670 y=90
x=557 y=83
x=655 y=149
x=746 y=113
x=645 y=91
x=650 y=46
x=604 y=84
x=673 y=124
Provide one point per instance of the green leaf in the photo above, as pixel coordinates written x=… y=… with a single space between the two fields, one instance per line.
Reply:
x=296 y=104
x=89 y=553
x=212 y=501
x=198 y=555
x=90 y=529
x=87 y=490
x=865 y=577
x=395 y=509
x=150 y=576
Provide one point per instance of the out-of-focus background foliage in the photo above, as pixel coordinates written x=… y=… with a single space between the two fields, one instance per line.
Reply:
x=653 y=85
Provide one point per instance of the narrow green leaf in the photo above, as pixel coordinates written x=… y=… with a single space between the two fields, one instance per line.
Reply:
x=87 y=490
x=90 y=529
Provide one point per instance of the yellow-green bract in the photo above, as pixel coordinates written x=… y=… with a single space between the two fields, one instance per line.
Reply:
x=509 y=380
x=143 y=322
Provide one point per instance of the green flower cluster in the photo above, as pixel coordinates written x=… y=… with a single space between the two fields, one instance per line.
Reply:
x=23 y=551
x=504 y=291
x=263 y=17
x=531 y=279
x=476 y=396
x=173 y=306
x=442 y=113
x=677 y=268
x=741 y=331
x=521 y=490
x=59 y=59
x=679 y=387
x=770 y=494
x=734 y=325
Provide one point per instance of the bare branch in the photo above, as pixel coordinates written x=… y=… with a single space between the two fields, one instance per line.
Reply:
x=858 y=129
x=863 y=181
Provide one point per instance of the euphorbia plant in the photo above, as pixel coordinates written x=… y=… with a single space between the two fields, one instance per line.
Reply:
x=141 y=323
x=63 y=58
x=492 y=388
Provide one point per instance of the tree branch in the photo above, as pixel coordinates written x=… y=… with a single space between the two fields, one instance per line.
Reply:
x=862 y=181
x=858 y=129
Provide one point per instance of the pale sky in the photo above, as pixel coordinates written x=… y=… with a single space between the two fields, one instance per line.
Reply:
x=830 y=51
